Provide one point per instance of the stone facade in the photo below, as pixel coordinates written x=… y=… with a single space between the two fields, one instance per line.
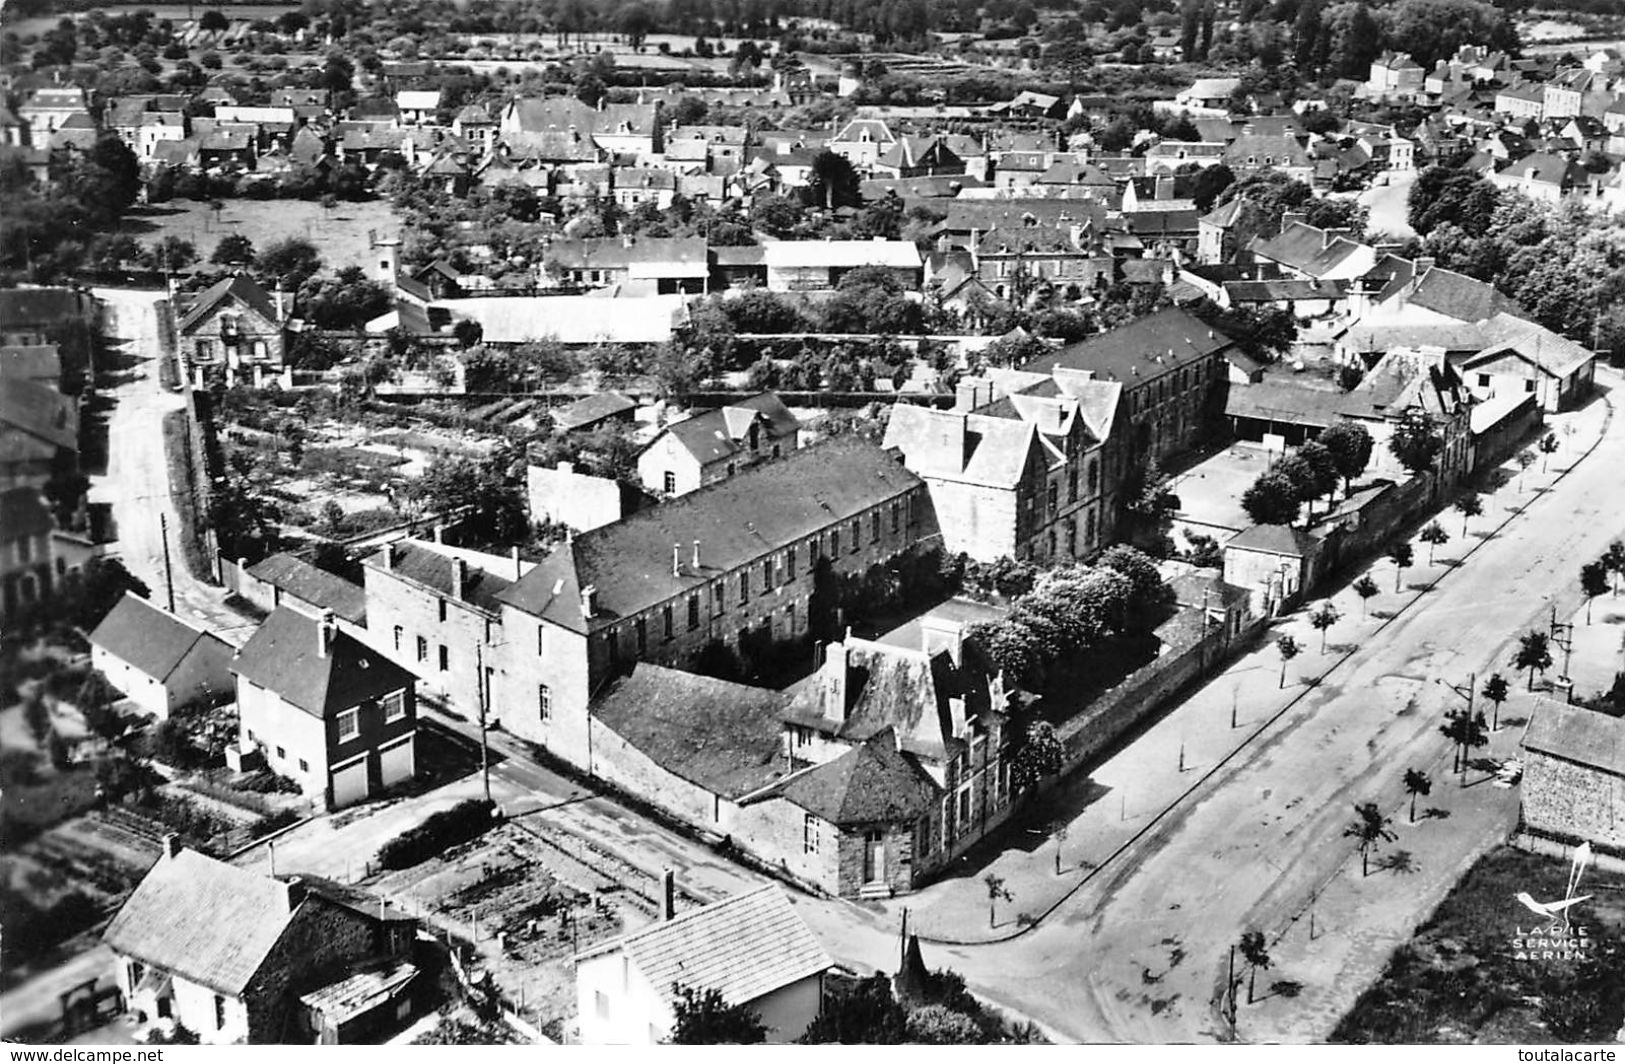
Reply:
x=1572 y=800
x=321 y=944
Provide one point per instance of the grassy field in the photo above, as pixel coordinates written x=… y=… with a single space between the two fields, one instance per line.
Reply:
x=1460 y=979
x=340 y=234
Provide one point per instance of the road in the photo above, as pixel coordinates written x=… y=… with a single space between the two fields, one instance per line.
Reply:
x=1390 y=206
x=1138 y=954
x=136 y=482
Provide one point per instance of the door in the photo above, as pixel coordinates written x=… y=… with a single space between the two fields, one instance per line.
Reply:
x=395 y=763
x=874 y=856
x=350 y=784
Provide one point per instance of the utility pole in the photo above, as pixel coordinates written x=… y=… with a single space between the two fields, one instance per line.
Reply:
x=1230 y=988
x=169 y=576
x=485 y=746
x=1563 y=636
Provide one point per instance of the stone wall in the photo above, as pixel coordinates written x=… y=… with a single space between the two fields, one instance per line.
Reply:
x=625 y=766
x=1570 y=799
x=401 y=612
x=321 y=944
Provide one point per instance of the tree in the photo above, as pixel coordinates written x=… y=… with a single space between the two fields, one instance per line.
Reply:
x=1402 y=557
x=1469 y=506
x=1615 y=560
x=1593 y=582
x=1323 y=470
x=1417 y=784
x=1548 y=447
x=1272 y=499
x=1350 y=444
x=1467 y=731
x=1254 y=950
x=1370 y=829
x=833 y=181
x=635 y=23
x=861 y=1013
x=1496 y=689
x=1305 y=33
x=1534 y=653
x=1416 y=441
x=705 y=1018
x=1289 y=649
x=213 y=20
x=289 y=263
x=1322 y=620
x=1525 y=459
x=174 y=253
x=940 y=1025
x=1057 y=833
x=234 y=249
x=1434 y=536
x=1366 y=588
x=996 y=892
x=1039 y=756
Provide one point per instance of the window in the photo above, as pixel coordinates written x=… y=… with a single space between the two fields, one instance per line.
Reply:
x=744 y=588
x=445 y=658
x=730 y=469
x=219 y=1012
x=1483 y=380
x=281 y=754
x=1094 y=475
x=767 y=576
x=1528 y=386
x=398 y=634
x=642 y=630
x=855 y=534
x=304 y=766
x=544 y=702
x=790 y=565
x=896 y=515
x=394 y=706
x=541 y=640
x=25 y=548
x=1071 y=485
x=442 y=611
x=809 y=833
x=205 y=350
x=668 y=482
x=423 y=649
x=834 y=542
x=666 y=621
x=1052 y=497
x=874 y=527
x=614 y=646
x=925 y=836
x=693 y=612
x=349 y=724
x=790 y=619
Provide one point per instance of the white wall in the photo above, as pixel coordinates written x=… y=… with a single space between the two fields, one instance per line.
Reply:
x=266 y=720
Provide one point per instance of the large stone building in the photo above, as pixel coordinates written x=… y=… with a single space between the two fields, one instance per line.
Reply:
x=1574 y=775
x=733 y=566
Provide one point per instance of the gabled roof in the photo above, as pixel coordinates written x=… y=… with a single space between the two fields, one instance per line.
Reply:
x=1292 y=542
x=139 y=633
x=1458 y=296
x=1549 y=352
x=717 y=434
x=23 y=514
x=40 y=411
x=592 y=409
x=872 y=783
x=430 y=568
x=736 y=520
x=204 y=920
x=21 y=307
x=1141 y=349
x=284 y=656
x=724 y=737
x=743 y=947
x=318 y=587
x=1577 y=734
x=239 y=288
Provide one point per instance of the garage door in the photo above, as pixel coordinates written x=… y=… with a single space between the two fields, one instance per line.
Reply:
x=350 y=784
x=395 y=763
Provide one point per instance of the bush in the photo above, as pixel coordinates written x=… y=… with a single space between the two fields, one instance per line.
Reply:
x=440 y=832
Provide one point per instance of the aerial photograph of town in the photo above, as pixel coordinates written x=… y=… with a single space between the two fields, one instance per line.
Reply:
x=999 y=522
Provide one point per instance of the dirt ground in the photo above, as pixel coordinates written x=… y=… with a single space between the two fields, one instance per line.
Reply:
x=339 y=234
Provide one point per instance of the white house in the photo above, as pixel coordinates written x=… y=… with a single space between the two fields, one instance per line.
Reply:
x=752 y=948
x=158 y=660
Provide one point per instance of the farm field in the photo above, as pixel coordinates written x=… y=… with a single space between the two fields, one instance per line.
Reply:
x=340 y=234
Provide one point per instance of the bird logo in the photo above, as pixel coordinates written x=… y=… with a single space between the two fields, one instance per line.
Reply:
x=1559 y=910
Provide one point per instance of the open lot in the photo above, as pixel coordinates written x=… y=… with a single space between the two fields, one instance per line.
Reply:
x=1210 y=491
x=340 y=233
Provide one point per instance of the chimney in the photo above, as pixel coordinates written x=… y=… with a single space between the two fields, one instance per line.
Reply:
x=832 y=680
x=1424 y=263
x=975 y=239
x=326 y=630
x=696 y=556
x=440 y=533
x=668 y=895
x=567 y=467
x=941 y=633
x=389 y=555
x=513 y=555
x=677 y=559
x=280 y=316
x=589 y=602
x=172 y=845
x=459 y=578
x=296 y=891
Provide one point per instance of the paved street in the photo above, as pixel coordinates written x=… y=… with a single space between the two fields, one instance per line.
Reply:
x=1390 y=206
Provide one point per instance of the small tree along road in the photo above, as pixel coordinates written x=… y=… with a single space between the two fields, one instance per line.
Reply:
x=1366 y=588
x=1417 y=784
x=1496 y=689
x=1435 y=537
x=1534 y=653
x=1255 y=952
x=1322 y=620
x=1402 y=556
x=1370 y=829
x=1289 y=649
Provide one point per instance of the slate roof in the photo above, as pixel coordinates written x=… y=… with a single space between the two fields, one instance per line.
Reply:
x=23 y=514
x=736 y=520
x=717 y=434
x=202 y=919
x=424 y=565
x=283 y=656
x=40 y=411
x=724 y=737
x=39 y=306
x=1284 y=401
x=318 y=587
x=592 y=409
x=1550 y=352
x=1458 y=296
x=872 y=783
x=1577 y=734
x=1130 y=352
x=154 y=641
x=562 y=113
x=794 y=254
x=1292 y=542
x=744 y=947
x=1306 y=248
x=239 y=287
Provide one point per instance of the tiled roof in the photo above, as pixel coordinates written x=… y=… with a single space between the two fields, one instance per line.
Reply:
x=283 y=656
x=23 y=513
x=872 y=783
x=318 y=587
x=1293 y=542
x=361 y=992
x=724 y=737
x=592 y=409
x=736 y=520
x=1577 y=734
x=40 y=411
x=1285 y=401
x=240 y=287
x=572 y=319
x=1551 y=352
x=422 y=564
x=202 y=919
x=139 y=633
x=716 y=434
x=1458 y=296
x=744 y=947
x=1132 y=352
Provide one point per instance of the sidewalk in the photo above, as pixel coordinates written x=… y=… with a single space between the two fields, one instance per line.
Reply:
x=1123 y=798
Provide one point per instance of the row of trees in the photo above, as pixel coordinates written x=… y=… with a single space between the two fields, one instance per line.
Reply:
x=1308 y=473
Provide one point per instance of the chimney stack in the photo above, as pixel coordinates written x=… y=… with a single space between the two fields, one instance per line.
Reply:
x=668 y=895
x=296 y=891
x=696 y=556
x=172 y=845
x=459 y=578
x=513 y=555
x=833 y=680
x=326 y=630
x=677 y=559
x=389 y=555
x=440 y=533
x=589 y=602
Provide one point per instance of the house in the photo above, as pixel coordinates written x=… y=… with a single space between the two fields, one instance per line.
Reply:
x=1403 y=381
x=161 y=662
x=39 y=434
x=284 y=579
x=716 y=444
x=1521 y=100
x=434 y=612
x=1012 y=261
x=635 y=186
x=27 y=573
x=912 y=156
x=862 y=141
x=40 y=363
x=1226 y=230
x=1573 y=787
x=728 y=568
x=1532 y=361
x=810 y=265
x=475 y=127
x=578 y=501
x=670 y=264
x=49 y=108
x=751 y=948
x=228 y=954
x=1543 y=176
x=1252 y=153
x=1207 y=97
x=1276 y=561
x=417 y=106
x=1395 y=74
x=601 y=410
x=616 y=128
x=1310 y=253
x=236 y=327
x=333 y=715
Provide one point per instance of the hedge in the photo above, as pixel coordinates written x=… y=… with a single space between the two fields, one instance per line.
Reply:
x=441 y=831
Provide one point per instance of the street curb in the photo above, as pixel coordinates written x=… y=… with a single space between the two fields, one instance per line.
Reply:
x=1312 y=685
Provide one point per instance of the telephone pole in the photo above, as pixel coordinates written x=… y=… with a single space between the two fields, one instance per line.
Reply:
x=485 y=746
x=1563 y=636
x=169 y=576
